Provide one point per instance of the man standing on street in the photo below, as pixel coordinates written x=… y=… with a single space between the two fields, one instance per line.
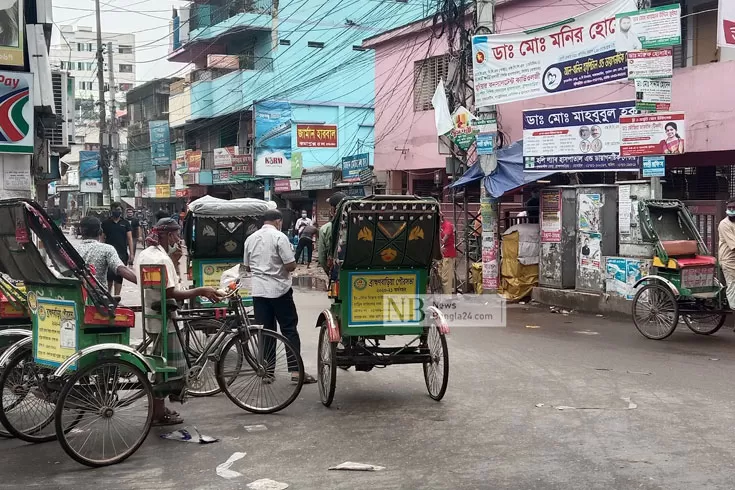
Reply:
x=134 y=226
x=325 y=232
x=103 y=257
x=726 y=254
x=449 y=254
x=269 y=258
x=301 y=223
x=306 y=241
x=119 y=234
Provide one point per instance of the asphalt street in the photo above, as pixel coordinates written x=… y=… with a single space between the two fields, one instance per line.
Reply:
x=579 y=402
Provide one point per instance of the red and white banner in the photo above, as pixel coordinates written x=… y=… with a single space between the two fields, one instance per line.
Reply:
x=649 y=135
x=726 y=24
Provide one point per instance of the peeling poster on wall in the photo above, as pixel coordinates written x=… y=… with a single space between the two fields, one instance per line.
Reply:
x=589 y=212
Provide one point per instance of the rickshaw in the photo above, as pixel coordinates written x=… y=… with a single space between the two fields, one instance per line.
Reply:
x=94 y=389
x=15 y=323
x=685 y=278
x=383 y=248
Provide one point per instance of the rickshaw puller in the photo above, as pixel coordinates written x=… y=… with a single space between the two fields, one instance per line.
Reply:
x=164 y=249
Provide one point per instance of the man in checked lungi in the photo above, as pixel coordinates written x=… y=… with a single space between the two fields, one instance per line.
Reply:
x=164 y=248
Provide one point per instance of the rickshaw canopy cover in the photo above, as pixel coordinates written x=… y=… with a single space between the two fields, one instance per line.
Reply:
x=213 y=207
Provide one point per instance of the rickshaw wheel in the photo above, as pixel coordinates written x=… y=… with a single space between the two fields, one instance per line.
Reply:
x=114 y=400
x=704 y=323
x=655 y=311
x=197 y=334
x=26 y=409
x=436 y=372
x=326 y=367
x=261 y=381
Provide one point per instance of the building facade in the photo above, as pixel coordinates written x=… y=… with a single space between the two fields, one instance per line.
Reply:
x=408 y=155
x=306 y=55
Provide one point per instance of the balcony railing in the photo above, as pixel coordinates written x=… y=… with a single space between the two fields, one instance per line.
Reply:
x=245 y=62
x=257 y=63
x=206 y=15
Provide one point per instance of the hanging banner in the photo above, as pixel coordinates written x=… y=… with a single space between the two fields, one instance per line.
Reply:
x=576 y=138
x=16 y=107
x=273 y=139
x=90 y=173
x=353 y=165
x=287 y=185
x=160 y=143
x=242 y=164
x=577 y=53
x=316 y=136
x=657 y=134
x=194 y=160
x=11 y=37
x=651 y=64
x=223 y=156
x=312 y=182
x=653 y=95
x=726 y=24
x=658 y=27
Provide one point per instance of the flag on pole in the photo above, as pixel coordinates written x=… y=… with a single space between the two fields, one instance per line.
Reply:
x=442 y=117
x=726 y=24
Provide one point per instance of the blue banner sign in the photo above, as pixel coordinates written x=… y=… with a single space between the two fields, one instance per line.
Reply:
x=160 y=143
x=353 y=165
x=654 y=166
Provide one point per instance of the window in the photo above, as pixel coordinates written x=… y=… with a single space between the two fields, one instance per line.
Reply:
x=89 y=47
x=85 y=86
x=314 y=44
x=62 y=65
x=358 y=48
x=126 y=68
x=80 y=65
x=426 y=76
x=124 y=49
x=284 y=42
x=81 y=47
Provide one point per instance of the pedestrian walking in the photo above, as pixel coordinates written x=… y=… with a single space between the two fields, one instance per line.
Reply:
x=119 y=234
x=306 y=243
x=268 y=256
x=102 y=256
x=449 y=254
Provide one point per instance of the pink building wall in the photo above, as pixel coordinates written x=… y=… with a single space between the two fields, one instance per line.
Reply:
x=407 y=140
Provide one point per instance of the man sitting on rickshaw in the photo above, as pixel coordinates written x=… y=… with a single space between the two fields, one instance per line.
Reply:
x=163 y=248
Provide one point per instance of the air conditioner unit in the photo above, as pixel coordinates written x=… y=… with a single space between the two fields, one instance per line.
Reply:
x=57 y=133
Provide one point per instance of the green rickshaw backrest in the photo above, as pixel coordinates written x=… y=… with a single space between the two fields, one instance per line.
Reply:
x=666 y=220
x=387 y=232
x=208 y=237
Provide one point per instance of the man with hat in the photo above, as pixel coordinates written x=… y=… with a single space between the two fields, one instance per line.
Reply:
x=325 y=232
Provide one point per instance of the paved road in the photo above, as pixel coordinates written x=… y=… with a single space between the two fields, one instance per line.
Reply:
x=489 y=432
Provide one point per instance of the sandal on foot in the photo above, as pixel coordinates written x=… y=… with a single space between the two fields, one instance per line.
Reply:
x=308 y=379
x=168 y=419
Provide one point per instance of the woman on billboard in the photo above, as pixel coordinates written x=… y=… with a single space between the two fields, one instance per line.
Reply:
x=673 y=144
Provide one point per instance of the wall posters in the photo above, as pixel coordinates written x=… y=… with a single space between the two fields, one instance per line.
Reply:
x=490 y=276
x=551 y=216
x=653 y=95
x=353 y=165
x=160 y=143
x=11 y=39
x=622 y=273
x=16 y=106
x=316 y=136
x=726 y=24
x=273 y=139
x=90 y=173
x=658 y=27
x=656 y=134
x=657 y=63
x=576 y=138
x=57 y=331
x=589 y=250
x=589 y=213
x=625 y=206
x=549 y=60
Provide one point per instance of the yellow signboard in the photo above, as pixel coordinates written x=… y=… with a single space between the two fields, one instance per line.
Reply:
x=212 y=274
x=374 y=296
x=163 y=191
x=57 y=331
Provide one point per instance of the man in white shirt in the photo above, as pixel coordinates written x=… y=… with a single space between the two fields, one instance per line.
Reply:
x=268 y=256
x=164 y=249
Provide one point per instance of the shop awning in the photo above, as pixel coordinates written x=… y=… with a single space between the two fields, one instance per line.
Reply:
x=507 y=176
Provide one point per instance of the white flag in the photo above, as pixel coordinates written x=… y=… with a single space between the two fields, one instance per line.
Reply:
x=442 y=117
x=726 y=24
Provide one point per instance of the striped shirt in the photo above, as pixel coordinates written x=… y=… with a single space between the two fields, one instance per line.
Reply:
x=266 y=252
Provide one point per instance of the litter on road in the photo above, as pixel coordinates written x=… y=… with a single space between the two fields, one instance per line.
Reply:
x=255 y=428
x=184 y=435
x=267 y=484
x=224 y=470
x=350 y=466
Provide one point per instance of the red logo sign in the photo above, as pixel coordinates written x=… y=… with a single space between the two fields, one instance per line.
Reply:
x=316 y=136
x=729 y=27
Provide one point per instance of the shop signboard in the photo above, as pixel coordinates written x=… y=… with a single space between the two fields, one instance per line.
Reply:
x=316 y=136
x=570 y=55
x=273 y=139
x=657 y=63
x=353 y=165
x=657 y=27
x=655 y=134
x=287 y=185
x=222 y=176
x=726 y=24
x=194 y=160
x=16 y=97
x=653 y=95
x=242 y=165
x=316 y=181
x=160 y=137
x=90 y=173
x=163 y=191
x=223 y=156
x=580 y=138
x=654 y=166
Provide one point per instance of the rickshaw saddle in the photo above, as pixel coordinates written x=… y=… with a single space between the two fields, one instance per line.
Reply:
x=678 y=248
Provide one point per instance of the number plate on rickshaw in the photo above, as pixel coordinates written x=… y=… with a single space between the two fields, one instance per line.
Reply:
x=697 y=277
x=57 y=331
x=384 y=298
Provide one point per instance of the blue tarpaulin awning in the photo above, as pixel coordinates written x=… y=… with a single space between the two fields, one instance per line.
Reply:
x=508 y=175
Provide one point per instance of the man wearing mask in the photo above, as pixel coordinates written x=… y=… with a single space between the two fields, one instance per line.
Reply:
x=726 y=254
x=325 y=232
x=119 y=234
x=134 y=226
x=301 y=223
x=164 y=249
x=269 y=258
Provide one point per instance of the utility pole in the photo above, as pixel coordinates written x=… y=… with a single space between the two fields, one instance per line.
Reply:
x=114 y=142
x=489 y=208
x=104 y=161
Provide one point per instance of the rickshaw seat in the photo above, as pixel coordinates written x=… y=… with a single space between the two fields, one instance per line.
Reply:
x=679 y=248
x=697 y=261
x=124 y=317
